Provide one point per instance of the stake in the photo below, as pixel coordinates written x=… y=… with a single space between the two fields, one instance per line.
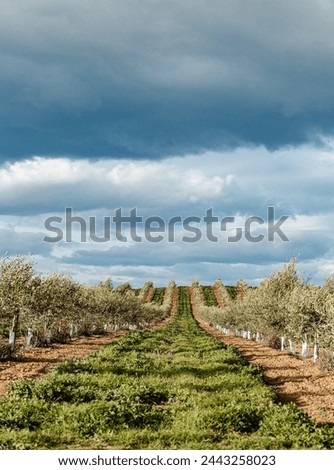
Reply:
x=13 y=332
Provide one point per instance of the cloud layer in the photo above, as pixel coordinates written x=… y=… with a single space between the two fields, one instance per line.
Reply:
x=153 y=79
x=296 y=181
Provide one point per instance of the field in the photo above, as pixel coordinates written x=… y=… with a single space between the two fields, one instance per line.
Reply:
x=175 y=367
x=175 y=387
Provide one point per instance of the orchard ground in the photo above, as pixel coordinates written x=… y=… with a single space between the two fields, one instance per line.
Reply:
x=293 y=379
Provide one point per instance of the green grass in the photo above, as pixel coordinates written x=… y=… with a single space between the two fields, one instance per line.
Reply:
x=174 y=388
x=4 y=330
x=232 y=291
x=158 y=295
x=209 y=296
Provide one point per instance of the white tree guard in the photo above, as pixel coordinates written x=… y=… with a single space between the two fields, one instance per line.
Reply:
x=292 y=348
x=283 y=343
x=305 y=349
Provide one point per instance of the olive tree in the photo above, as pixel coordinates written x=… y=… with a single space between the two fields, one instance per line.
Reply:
x=18 y=283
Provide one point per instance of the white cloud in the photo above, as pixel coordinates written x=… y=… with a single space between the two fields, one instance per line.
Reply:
x=237 y=179
x=297 y=182
x=42 y=183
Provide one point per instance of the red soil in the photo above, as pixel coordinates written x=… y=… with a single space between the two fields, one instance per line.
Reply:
x=293 y=379
x=37 y=362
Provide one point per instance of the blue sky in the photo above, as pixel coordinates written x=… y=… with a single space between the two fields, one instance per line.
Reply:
x=171 y=108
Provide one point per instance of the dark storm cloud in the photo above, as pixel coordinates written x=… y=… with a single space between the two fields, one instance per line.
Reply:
x=155 y=78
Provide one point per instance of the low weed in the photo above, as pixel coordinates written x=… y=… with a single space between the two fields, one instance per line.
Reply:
x=174 y=388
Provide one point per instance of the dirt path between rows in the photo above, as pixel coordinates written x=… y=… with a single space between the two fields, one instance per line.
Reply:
x=37 y=362
x=293 y=379
x=150 y=294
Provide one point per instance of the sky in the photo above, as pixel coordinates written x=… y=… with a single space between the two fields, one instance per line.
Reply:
x=216 y=114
